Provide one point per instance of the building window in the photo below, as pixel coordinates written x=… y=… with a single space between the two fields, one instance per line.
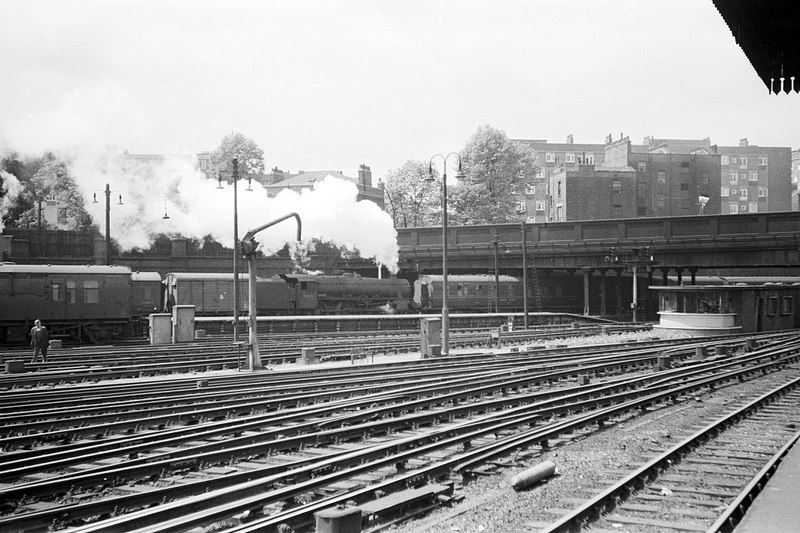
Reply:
x=62 y=215
x=684 y=186
x=762 y=192
x=91 y=292
x=558 y=193
x=588 y=159
x=786 y=305
x=641 y=211
x=733 y=209
x=724 y=160
x=742 y=162
x=762 y=161
x=617 y=185
x=662 y=176
x=753 y=175
x=570 y=157
x=539 y=174
x=540 y=206
x=71 y=292
x=772 y=305
x=734 y=178
x=58 y=292
x=549 y=157
x=530 y=189
x=520 y=206
x=753 y=207
x=743 y=193
x=661 y=201
x=641 y=166
x=724 y=191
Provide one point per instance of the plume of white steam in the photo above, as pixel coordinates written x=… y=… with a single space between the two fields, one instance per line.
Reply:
x=10 y=189
x=89 y=120
x=197 y=207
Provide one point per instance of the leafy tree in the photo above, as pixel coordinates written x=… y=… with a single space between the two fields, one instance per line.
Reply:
x=496 y=169
x=52 y=180
x=237 y=146
x=411 y=199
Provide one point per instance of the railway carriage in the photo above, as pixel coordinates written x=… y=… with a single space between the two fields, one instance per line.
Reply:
x=474 y=293
x=79 y=302
x=146 y=294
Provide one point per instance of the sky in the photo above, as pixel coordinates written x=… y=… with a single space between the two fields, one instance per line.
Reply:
x=330 y=85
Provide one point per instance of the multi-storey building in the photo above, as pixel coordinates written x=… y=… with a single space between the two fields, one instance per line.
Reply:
x=634 y=181
x=671 y=177
x=752 y=178
x=532 y=202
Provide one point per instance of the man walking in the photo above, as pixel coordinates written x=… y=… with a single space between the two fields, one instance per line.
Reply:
x=39 y=340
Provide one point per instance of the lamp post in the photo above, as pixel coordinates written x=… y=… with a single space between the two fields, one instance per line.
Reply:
x=106 y=254
x=236 y=252
x=445 y=310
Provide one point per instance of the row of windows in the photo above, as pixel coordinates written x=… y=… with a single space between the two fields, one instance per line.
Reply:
x=751 y=207
x=530 y=190
x=522 y=208
x=68 y=292
x=725 y=191
x=570 y=157
x=742 y=161
x=734 y=177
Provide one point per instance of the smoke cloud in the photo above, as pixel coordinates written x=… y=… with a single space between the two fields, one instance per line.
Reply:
x=88 y=123
x=10 y=189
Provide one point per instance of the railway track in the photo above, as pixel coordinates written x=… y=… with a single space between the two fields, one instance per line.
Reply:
x=109 y=362
x=285 y=461
x=706 y=481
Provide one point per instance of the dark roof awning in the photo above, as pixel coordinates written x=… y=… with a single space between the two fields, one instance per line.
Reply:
x=768 y=32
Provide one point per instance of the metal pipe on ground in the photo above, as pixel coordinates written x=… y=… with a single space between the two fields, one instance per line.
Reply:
x=538 y=473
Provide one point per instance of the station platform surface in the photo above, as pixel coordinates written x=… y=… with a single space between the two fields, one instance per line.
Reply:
x=777 y=508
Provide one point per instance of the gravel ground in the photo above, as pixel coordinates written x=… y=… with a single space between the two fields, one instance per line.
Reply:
x=585 y=464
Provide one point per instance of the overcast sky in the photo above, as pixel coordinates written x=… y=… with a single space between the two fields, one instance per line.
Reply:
x=329 y=85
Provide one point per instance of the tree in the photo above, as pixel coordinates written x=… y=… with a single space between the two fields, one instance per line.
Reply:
x=237 y=146
x=51 y=180
x=410 y=197
x=496 y=170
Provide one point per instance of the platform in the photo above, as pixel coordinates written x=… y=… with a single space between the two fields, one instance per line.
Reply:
x=777 y=508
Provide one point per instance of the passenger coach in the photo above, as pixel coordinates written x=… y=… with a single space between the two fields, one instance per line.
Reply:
x=78 y=302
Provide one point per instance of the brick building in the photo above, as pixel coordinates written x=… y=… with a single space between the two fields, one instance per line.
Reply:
x=661 y=177
x=752 y=178
x=532 y=203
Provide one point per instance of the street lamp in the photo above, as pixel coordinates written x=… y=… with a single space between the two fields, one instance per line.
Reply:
x=235 y=244
x=108 y=220
x=445 y=310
